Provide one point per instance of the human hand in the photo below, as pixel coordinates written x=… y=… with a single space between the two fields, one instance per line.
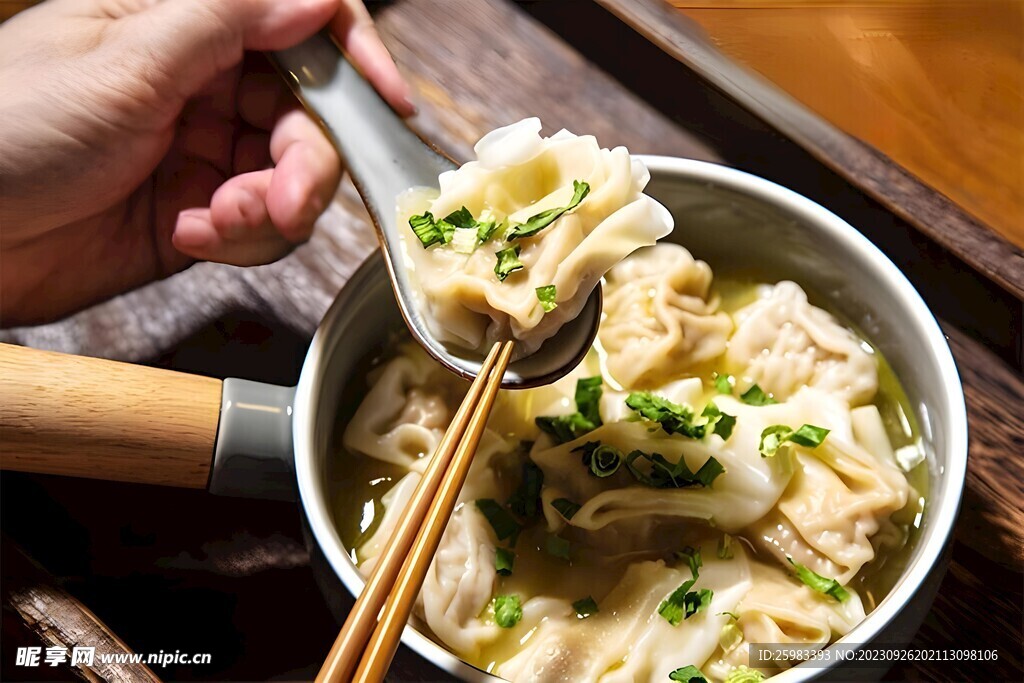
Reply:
x=138 y=135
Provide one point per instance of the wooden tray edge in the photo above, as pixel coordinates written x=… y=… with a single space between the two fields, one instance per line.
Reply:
x=912 y=200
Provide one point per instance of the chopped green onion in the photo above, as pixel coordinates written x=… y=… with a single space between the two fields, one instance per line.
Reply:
x=556 y=546
x=673 y=417
x=426 y=229
x=755 y=396
x=525 y=501
x=687 y=674
x=730 y=637
x=481 y=229
x=683 y=603
x=723 y=384
x=585 y=607
x=536 y=223
x=673 y=608
x=773 y=437
x=601 y=460
x=464 y=240
x=565 y=507
x=461 y=218
x=692 y=557
x=485 y=229
x=508 y=262
x=743 y=674
x=565 y=428
x=508 y=610
x=504 y=559
x=819 y=583
x=696 y=601
x=720 y=423
x=586 y=418
x=503 y=523
x=546 y=295
x=725 y=547
x=588 y=398
x=431 y=231
x=665 y=475
x=809 y=436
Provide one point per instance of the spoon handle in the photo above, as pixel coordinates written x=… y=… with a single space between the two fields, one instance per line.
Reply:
x=383 y=156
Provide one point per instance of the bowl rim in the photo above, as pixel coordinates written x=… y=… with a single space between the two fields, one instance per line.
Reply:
x=812 y=215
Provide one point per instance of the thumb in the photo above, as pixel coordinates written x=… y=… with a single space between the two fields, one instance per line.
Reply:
x=183 y=44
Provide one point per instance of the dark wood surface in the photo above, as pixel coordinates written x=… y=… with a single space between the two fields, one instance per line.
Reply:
x=902 y=193
x=172 y=569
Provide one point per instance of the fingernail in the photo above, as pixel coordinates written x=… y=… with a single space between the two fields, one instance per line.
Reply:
x=192 y=231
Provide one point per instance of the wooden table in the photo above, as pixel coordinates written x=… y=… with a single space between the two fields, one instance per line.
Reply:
x=170 y=569
x=938 y=87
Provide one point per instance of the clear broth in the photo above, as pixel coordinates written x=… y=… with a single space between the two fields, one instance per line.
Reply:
x=359 y=482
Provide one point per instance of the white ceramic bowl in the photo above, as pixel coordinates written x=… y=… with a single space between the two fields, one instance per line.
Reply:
x=737 y=223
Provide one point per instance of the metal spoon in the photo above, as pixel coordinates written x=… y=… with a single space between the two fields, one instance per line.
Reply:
x=385 y=158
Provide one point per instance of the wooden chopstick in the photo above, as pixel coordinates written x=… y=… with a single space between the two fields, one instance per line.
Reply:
x=351 y=642
x=381 y=648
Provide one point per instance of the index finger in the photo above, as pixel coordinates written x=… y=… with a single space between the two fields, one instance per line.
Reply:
x=353 y=27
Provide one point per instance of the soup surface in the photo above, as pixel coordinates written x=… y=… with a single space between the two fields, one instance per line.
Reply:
x=730 y=465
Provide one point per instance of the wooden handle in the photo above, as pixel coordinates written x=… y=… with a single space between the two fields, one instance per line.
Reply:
x=86 y=417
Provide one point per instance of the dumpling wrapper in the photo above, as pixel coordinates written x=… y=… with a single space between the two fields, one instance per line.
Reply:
x=517 y=175
x=783 y=343
x=659 y=317
x=627 y=641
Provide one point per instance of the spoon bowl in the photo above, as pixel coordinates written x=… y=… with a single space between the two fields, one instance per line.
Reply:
x=385 y=158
